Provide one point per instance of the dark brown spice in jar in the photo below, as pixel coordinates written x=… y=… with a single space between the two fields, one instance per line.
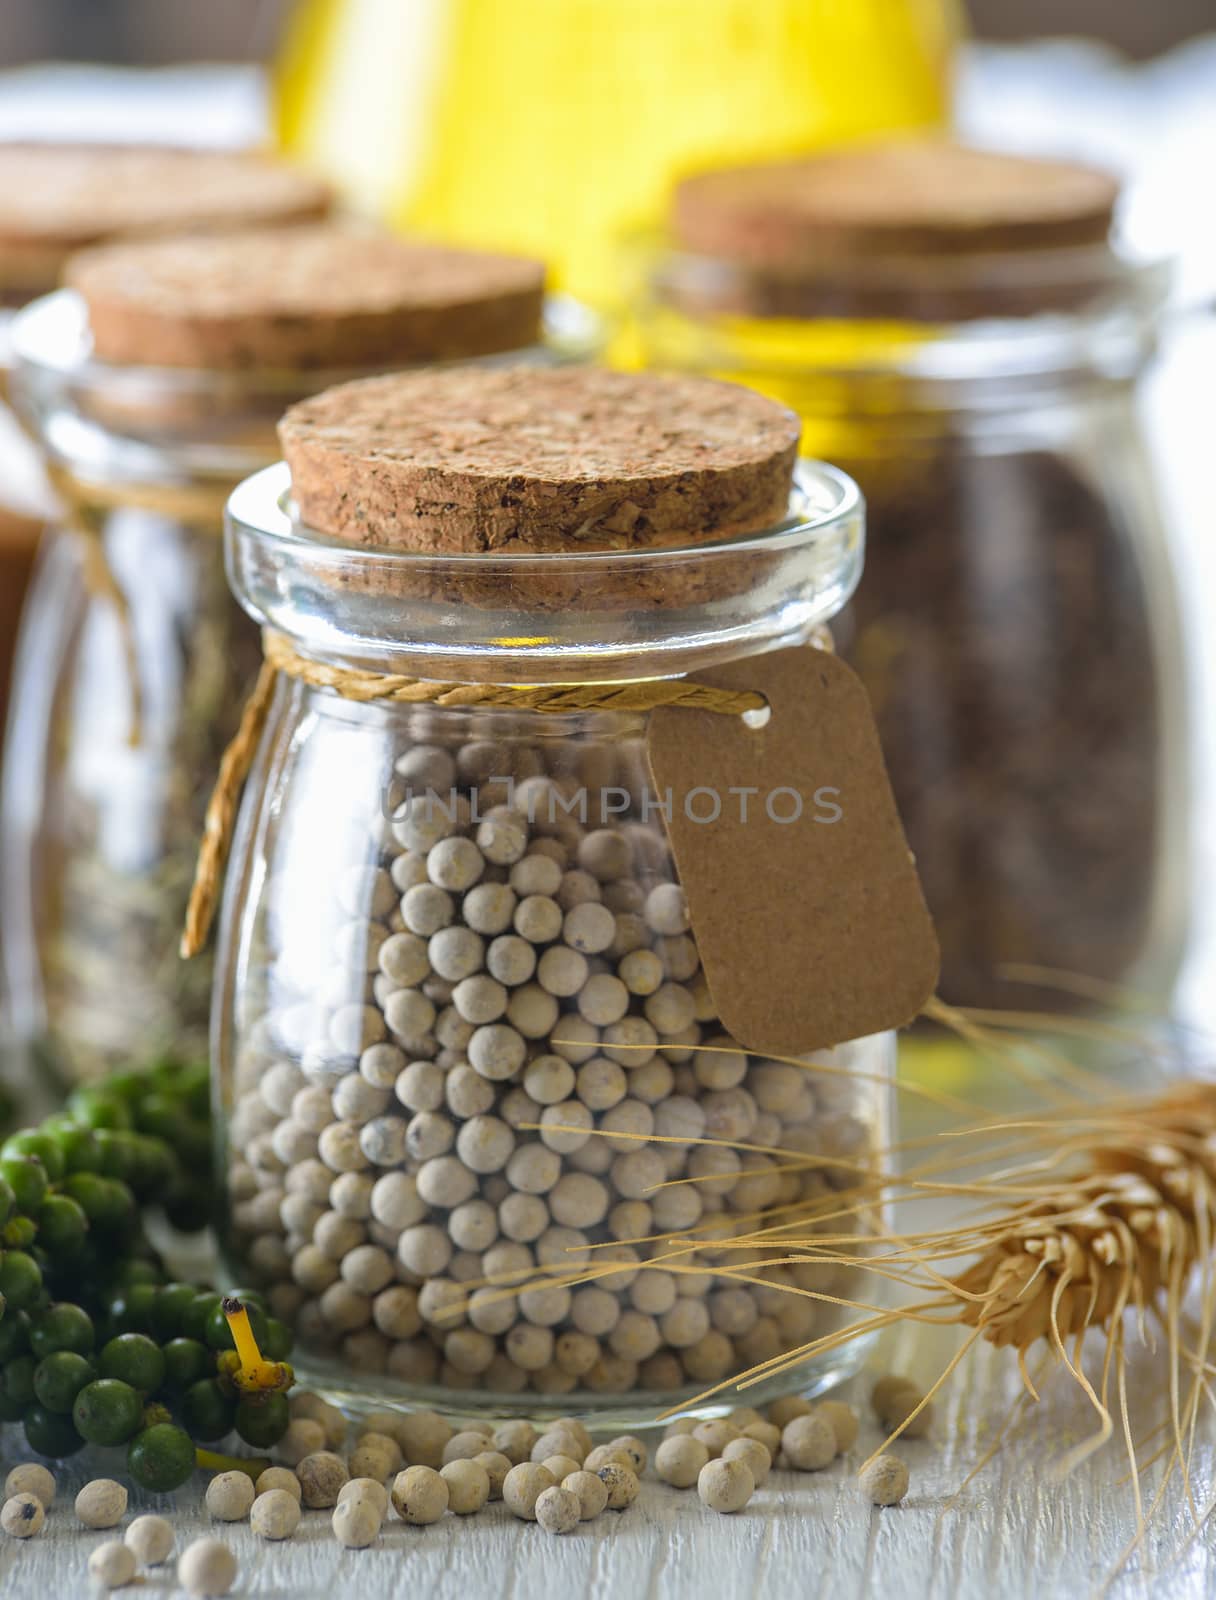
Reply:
x=955 y=328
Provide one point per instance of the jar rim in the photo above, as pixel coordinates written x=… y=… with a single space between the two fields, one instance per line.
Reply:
x=821 y=496
x=1029 y=314
x=587 y=615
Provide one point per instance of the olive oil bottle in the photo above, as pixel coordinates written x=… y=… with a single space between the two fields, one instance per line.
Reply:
x=554 y=126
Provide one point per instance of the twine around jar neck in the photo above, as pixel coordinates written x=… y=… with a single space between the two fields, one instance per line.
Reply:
x=365 y=687
x=86 y=503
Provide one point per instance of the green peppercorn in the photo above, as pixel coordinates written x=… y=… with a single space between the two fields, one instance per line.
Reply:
x=26 y=1177
x=276 y=1346
x=8 y=1201
x=108 y=1412
x=17 y=1386
x=14 y=1340
x=20 y=1279
x=261 y=1420
x=186 y=1361
x=195 y=1317
x=62 y=1326
x=130 y=1310
x=50 y=1434
x=60 y=1377
x=62 y=1225
x=161 y=1458
x=108 y=1204
x=96 y=1108
x=33 y=1142
x=135 y=1359
x=139 y=1271
x=169 y=1309
x=207 y=1411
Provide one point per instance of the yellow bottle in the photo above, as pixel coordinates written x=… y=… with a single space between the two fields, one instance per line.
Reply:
x=552 y=126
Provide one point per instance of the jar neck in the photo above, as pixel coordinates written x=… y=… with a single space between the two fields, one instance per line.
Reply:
x=590 y=617
x=892 y=339
x=114 y=425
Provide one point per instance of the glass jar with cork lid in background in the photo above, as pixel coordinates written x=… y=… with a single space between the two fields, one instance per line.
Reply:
x=154 y=383
x=957 y=328
x=568 y=911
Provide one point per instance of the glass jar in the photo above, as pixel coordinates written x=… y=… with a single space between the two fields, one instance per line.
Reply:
x=1017 y=628
x=426 y=1093
x=133 y=664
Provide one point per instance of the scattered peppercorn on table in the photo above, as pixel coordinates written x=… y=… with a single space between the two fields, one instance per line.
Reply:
x=812 y=1533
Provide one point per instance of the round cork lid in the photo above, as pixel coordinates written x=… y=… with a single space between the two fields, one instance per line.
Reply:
x=524 y=459
x=909 y=197
x=56 y=198
x=319 y=296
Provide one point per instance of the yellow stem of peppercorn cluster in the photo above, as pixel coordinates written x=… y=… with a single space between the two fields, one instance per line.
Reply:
x=255 y=1372
x=212 y=1461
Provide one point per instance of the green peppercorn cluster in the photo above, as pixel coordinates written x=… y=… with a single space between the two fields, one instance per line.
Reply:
x=95 y=1346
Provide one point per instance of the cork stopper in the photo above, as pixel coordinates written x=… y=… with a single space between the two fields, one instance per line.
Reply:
x=914 y=197
x=523 y=459
x=56 y=198
x=319 y=296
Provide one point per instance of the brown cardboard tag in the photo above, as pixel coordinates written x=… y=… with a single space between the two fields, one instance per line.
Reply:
x=803 y=895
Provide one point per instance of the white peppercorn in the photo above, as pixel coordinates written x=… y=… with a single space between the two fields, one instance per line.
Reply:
x=30 y=1477
x=101 y=1503
x=422 y=1437
x=495 y=1465
x=150 y=1539
x=884 y=1482
x=558 y=1510
x=420 y=1495
x=22 y=1516
x=356 y=1522
x=725 y=1486
x=844 y=1421
x=112 y=1565
x=468 y=1484
x=538 y=919
x=207 y=1567
x=515 y=1441
x=679 y=1460
x=229 y=1496
x=758 y=1460
x=591 y=1492
x=766 y=1433
x=277 y=1478
x=523 y=1486
x=809 y=1443
x=321 y=1476
x=621 y=1483
x=894 y=1399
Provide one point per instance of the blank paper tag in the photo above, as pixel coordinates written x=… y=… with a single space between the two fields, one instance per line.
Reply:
x=805 y=903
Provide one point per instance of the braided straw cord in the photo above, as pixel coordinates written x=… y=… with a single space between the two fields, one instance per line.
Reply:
x=221 y=814
x=644 y=695
x=84 y=506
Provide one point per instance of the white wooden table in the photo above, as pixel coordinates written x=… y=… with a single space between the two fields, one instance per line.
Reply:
x=1016 y=1531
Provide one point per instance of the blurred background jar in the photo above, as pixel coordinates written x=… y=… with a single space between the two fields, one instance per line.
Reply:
x=549 y=127
x=458 y=989
x=957 y=330
x=153 y=389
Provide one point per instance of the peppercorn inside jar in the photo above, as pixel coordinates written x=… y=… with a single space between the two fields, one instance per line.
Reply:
x=486 y=1135
x=961 y=331
x=154 y=383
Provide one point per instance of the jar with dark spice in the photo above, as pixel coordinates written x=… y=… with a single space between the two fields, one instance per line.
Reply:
x=958 y=330
x=153 y=382
x=488 y=1140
